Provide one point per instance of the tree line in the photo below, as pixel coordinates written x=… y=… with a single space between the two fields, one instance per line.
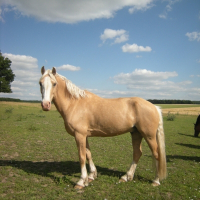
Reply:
x=172 y=101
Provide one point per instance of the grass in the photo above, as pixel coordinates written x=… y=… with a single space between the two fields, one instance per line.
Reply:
x=9 y=110
x=39 y=160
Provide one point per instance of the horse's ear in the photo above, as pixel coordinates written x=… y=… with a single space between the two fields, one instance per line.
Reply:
x=54 y=71
x=42 y=70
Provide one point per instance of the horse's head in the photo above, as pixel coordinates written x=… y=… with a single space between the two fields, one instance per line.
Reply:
x=48 y=85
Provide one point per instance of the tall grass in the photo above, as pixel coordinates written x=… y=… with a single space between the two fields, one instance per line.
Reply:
x=170 y=117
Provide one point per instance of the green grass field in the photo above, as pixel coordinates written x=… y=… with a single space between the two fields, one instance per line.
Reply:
x=39 y=160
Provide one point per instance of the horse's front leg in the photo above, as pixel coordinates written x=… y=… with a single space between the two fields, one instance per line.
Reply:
x=93 y=170
x=81 y=145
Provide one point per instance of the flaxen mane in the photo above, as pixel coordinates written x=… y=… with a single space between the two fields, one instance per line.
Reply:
x=73 y=90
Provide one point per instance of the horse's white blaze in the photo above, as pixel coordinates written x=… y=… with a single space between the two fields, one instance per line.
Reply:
x=46 y=89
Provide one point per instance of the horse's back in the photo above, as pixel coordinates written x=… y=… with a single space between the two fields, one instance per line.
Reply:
x=121 y=108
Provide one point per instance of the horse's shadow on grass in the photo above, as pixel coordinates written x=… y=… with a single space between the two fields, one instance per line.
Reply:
x=189 y=145
x=189 y=135
x=187 y=158
x=70 y=170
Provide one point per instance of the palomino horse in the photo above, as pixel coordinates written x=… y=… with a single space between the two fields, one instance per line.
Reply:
x=86 y=115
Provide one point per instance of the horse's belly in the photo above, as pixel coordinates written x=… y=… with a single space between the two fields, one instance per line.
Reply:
x=109 y=131
x=111 y=124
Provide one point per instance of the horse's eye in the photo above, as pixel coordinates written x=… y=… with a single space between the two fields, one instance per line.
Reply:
x=54 y=84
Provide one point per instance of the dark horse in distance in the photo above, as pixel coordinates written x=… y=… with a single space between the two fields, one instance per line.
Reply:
x=197 y=127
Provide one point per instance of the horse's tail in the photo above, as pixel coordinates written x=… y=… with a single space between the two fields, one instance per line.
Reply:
x=162 y=164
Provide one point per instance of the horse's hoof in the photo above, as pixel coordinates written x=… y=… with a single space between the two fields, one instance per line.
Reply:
x=121 y=180
x=155 y=184
x=90 y=180
x=78 y=187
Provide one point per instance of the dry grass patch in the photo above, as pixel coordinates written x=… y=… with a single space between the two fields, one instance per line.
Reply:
x=35 y=105
x=182 y=111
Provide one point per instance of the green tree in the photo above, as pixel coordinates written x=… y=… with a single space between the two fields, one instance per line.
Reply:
x=6 y=74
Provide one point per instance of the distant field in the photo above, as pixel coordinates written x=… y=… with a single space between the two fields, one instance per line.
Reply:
x=164 y=106
x=39 y=160
x=184 y=109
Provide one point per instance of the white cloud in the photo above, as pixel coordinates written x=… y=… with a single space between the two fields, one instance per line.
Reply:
x=68 y=67
x=163 y=16
x=24 y=67
x=122 y=38
x=134 y=48
x=139 y=76
x=193 y=36
x=151 y=82
x=22 y=61
x=1 y=18
x=27 y=75
x=143 y=6
x=147 y=84
x=70 y=11
x=150 y=85
x=118 y=35
x=168 y=8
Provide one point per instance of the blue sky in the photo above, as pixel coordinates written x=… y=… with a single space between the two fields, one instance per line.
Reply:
x=113 y=48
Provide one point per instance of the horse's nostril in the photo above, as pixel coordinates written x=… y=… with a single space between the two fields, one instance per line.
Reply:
x=46 y=105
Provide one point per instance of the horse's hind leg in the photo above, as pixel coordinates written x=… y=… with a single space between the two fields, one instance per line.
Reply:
x=137 y=152
x=155 y=156
x=93 y=170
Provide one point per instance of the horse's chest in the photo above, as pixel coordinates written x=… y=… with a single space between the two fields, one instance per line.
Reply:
x=74 y=124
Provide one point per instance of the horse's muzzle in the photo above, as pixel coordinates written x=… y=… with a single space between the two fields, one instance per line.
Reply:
x=46 y=105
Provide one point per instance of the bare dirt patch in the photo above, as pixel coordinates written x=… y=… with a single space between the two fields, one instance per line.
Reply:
x=182 y=111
